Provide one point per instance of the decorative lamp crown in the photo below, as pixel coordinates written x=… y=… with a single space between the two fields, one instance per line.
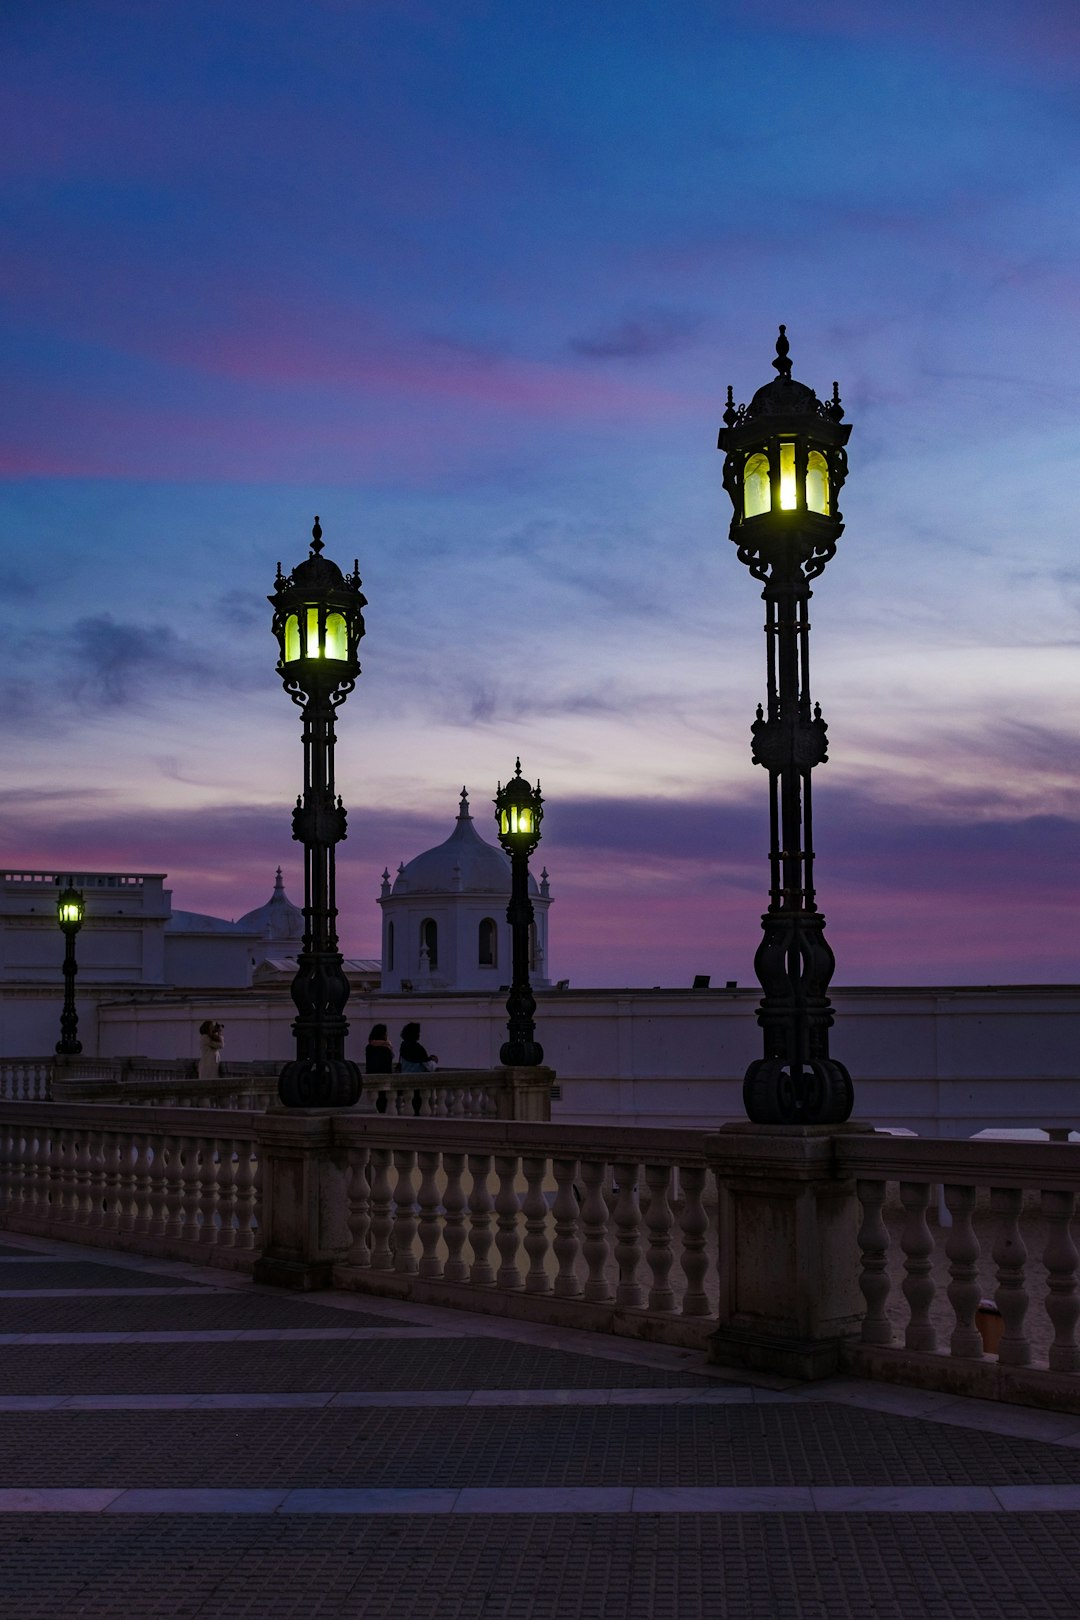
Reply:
x=319 y=623
x=785 y=461
x=70 y=909
x=519 y=810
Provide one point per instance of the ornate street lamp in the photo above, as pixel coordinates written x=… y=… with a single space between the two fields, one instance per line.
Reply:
x=70 y=911
x=318 y=623
x=519 y=810
x=784 y=466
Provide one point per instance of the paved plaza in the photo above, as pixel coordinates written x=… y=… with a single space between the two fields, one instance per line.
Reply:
x=178 y=1442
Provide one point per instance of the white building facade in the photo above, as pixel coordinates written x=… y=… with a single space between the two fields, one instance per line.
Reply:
x=444 y=924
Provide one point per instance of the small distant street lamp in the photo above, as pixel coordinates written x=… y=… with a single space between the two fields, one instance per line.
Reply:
x=70 y=911
x=318 y=622
x=784 y=466
x=519 y=811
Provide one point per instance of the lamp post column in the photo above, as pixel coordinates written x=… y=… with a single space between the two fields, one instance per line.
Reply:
x=785 y=464
x=318 y=623
x=518 y=814
x=70 y=911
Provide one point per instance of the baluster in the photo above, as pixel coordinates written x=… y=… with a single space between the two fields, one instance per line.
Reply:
x=455 y=1102
x=382 y=1214
x=507 y=1207
x=1010 y=1258
x=102 y=1185
x=244 y=1185
x=874 y=1277
x=480 y=1274
x=67 y=1192
x=962 y=1248
x=208 y=1189
x=256 y=1206
x=126 y=1208
x=54 y=1177
x=35 y=1154
x=567 y=1245
x=191 y=1189
x=359 y=1207
x=693 y=1228
x=226 y=1192
x=918 y=1245
x=85 y=1185
x=16 y=1173
x=455 y=1205
x=111 y=1178
x=143 y=1186
x=405 y=1224
x=659 y=1222
x=627 y=1217
x=155 y=1187
x=534 y=1206
x=172 y=1172
x=430 y=1215
x=594 y=1219
x=1059 y=1258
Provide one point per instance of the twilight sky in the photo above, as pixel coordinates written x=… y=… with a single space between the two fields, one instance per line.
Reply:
x=469 y=280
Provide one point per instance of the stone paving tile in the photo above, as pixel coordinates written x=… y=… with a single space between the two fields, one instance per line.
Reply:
x=528 y=1567
x=283 y=1367
x=815 y=1445
x=206 y=1309
x=84 y=1274
x=9 y=1252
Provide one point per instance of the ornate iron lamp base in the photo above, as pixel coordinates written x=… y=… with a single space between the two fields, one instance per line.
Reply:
x=521 y=1054
x=776 y=1092
x=307 y=1083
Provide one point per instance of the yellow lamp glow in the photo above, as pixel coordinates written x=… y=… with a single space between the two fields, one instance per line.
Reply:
x=70 y=912
x=817 y=483
x=757 y=495
x=787 y=476
x=337 y=645
x=292 y=639
x=313 y=648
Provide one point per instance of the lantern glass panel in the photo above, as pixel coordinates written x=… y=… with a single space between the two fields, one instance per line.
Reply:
x=817 y=483
x=788 y=496
x=757 y=496
x=70 y=911
x=292 y=639
x=313 y=648
x=337 y=643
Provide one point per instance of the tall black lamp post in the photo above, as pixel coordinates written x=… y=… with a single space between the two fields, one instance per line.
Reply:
x=784 y=466
x=519 y=811
x=70 y=911
x=318 y=622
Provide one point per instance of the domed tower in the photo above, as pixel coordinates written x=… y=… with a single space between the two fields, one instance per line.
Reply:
x=279 y=925
x=444 y=921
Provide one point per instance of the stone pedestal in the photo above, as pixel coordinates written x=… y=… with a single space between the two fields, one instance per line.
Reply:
x=304 y=1211
x=789 y=1259
x=528 y=1092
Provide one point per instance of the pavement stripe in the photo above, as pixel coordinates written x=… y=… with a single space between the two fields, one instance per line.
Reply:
x=222 y=1336
x=261 y=1401
x=101 y=1293
x=602 y=1499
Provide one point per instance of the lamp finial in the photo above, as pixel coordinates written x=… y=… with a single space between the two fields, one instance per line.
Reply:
x=316 y=536
x=782 y=365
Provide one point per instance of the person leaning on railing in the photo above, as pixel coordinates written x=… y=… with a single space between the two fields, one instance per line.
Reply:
x=379 y=1059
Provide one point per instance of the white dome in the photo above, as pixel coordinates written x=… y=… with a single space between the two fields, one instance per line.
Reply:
x=278 y=920
x=464 y=864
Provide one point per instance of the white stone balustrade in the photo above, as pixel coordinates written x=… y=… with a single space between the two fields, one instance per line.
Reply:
x=26 y=1079
x=949 y=1274
x=181 y=1183
x=558 y=1223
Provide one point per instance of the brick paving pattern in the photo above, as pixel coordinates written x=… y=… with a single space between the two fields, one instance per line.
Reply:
x=212 y=1308
x=589 y=1567
x=457 y=1449
x=286 y=1367
x=911 y=1558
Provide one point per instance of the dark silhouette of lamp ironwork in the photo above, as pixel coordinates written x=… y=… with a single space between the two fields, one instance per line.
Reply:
x=519 y=810
x=784 y=466
x=70 y=914
x=319 y=622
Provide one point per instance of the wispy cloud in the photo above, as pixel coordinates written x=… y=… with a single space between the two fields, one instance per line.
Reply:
x=646 y=336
